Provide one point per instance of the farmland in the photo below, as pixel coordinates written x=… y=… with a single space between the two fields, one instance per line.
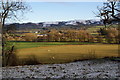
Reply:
x=62 y=46
x=62 y=52
x=21 y=45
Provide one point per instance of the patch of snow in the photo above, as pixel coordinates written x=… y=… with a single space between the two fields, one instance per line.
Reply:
x=80 y=69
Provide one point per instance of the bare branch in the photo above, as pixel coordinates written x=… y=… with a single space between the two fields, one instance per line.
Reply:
x=10 y=8
x=109 y=12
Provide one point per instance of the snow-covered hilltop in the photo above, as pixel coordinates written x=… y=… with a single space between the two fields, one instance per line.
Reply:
x=58 y=24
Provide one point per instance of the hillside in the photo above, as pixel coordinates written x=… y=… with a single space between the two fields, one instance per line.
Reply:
x=77 y=24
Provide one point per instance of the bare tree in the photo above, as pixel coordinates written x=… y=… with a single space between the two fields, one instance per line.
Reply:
x=9 y=9
x=110 y=12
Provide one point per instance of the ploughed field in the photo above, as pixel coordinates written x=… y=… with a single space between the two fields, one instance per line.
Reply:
x=62 y=52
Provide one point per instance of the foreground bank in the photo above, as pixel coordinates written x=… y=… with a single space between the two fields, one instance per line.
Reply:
x=100 y=68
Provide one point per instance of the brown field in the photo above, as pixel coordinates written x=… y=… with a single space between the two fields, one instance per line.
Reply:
x=68 y=53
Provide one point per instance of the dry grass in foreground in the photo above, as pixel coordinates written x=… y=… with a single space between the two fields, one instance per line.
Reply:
x=68 y=53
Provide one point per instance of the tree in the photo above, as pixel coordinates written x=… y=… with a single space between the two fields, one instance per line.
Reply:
x=110 y=12
x=110 y=34
x=9 y=9
x=30 y=37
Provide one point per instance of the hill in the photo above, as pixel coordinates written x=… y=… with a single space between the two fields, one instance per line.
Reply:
x=75 y=24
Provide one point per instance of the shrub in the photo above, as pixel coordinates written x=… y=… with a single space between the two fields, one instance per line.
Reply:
x=110 y=34
x=91 y=55
x=9 y=58
x=30 y=60
x=30 y=37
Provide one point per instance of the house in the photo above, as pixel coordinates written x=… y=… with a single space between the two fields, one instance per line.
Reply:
x=41 y=35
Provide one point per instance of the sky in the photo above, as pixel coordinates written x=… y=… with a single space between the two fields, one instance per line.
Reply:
x=60 y=11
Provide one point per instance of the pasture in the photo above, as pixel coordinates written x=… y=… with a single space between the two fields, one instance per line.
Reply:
x=21 y=45
x=55 y=52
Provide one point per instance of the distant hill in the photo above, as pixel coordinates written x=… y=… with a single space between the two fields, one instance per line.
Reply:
x=57 y=24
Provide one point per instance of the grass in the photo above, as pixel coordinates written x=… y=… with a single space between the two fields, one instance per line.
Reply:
x=93 y=29
x=96 y=28
x=21 y=45
x=100 y=26
x=67 y=53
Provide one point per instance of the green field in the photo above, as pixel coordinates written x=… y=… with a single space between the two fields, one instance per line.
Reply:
x=21 y=45
x=61 y=52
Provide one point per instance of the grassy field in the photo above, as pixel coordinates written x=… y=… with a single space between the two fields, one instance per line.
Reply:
x=55 y=52
x=96 y=28
x=21 y=45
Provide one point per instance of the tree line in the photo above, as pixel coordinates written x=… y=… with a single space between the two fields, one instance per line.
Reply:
x=103 y=35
